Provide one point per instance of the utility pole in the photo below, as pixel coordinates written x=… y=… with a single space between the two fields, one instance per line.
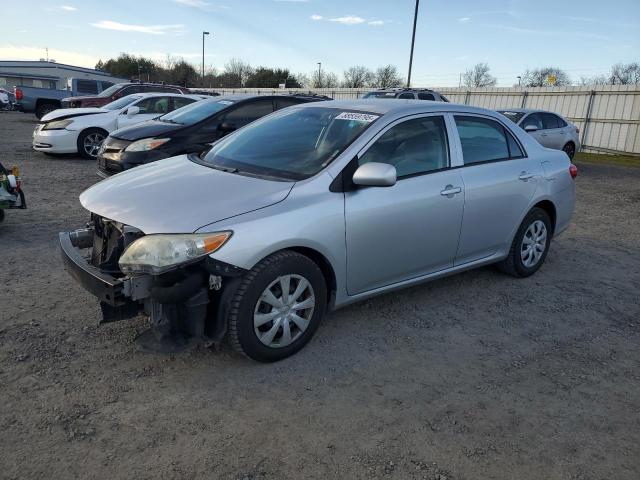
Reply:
x=413 y=40
x=319 y=75
x=460 y=81
x=519 y=81
x=203 y=34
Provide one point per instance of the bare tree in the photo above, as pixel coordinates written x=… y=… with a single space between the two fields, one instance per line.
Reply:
x=357 y=77
x=303 y=79
x=594 y=80
x=238 y=69
x=478 y=76
x=543 y=77
x=331 y=80
x=625 y=74
x=322 y=79
x=387 y=76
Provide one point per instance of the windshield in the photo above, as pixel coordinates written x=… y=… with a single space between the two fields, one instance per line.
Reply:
x=122 y=102
x=110 y=91
x=291 y=144
x=513 y=116
x=195 y=112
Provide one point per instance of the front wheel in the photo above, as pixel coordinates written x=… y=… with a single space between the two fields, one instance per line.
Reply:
x=277 y=307
x=90 y=141
x=530 y=246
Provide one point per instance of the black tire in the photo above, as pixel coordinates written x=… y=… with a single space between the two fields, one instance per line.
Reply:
x=570 y=150
x=44 y=108
x=513 y=265
x=86 y=152
x=241 y=333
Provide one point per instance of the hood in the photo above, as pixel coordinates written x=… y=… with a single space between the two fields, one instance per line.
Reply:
x=63 y=113
x=177 y=195
x=90 y=101
x=151 y=128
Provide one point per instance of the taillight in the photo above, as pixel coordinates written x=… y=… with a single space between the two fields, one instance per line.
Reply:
x=18 y=93
x=573 y=171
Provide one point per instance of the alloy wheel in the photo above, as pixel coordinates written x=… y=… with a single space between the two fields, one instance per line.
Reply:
x=534 y=244
x=92 y=143
x=284 y=310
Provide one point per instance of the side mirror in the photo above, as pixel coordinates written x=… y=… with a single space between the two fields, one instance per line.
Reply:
x=374 y=174
x=530 y=128
x=131 y=111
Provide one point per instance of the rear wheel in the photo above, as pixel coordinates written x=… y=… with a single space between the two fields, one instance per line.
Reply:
x=530 y=246
x=90 y=141
x=570 y=150
x=277 y=307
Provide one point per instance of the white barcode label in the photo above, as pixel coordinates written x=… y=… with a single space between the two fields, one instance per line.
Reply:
x=358 y=117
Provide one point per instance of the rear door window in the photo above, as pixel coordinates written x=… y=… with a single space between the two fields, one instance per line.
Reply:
x=426 y=96
x=482 y=140
x=406 y=96
x=549 y=120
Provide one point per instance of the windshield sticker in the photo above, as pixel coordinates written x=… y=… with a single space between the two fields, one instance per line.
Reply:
x=225 y=102
x=358 y=117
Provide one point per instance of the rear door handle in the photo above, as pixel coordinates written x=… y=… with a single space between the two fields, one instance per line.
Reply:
x=524 y=176
x=450 y=191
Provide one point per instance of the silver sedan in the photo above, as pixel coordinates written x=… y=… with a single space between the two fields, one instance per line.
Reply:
x=310 y=209
x=548 y=128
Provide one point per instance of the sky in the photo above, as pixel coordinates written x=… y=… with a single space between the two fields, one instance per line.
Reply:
x=583 y=37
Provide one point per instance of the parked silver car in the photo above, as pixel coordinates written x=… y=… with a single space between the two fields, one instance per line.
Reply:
x=311 y=208
x=548 y=128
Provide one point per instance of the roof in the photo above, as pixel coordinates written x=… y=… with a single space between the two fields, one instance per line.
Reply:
x=522 y=110
x=166 y=94
x=384 y=107
x=403 y=89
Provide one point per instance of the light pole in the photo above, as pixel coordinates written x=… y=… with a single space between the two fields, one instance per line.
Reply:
x=203 y=34
x=519 y=81
x=319 y=75
x=413 y=39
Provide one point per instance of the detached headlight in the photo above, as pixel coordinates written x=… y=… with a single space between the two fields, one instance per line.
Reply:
x=58 y=125
x=156 y=254
x=146 y=144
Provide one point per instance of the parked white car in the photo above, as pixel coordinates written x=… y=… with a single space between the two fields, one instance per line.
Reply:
x=82 y=130
x=548 y=128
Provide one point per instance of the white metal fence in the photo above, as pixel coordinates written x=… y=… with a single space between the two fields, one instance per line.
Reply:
x=608 y=116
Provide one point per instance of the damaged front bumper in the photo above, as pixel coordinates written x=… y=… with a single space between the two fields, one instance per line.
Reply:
x=186 y=304
x=118 y=296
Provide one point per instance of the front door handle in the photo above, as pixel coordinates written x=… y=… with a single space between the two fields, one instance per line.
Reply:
x=450 y=191
x=524 y=176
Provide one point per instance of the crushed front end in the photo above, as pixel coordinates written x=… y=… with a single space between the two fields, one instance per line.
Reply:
x=182 y=301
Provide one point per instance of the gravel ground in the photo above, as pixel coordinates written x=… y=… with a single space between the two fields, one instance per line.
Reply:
x=474 y=376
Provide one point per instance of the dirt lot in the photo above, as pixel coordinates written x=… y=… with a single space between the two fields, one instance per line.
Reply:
x=475 y=376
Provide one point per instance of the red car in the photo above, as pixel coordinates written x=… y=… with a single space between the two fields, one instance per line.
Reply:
x=119 y=90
